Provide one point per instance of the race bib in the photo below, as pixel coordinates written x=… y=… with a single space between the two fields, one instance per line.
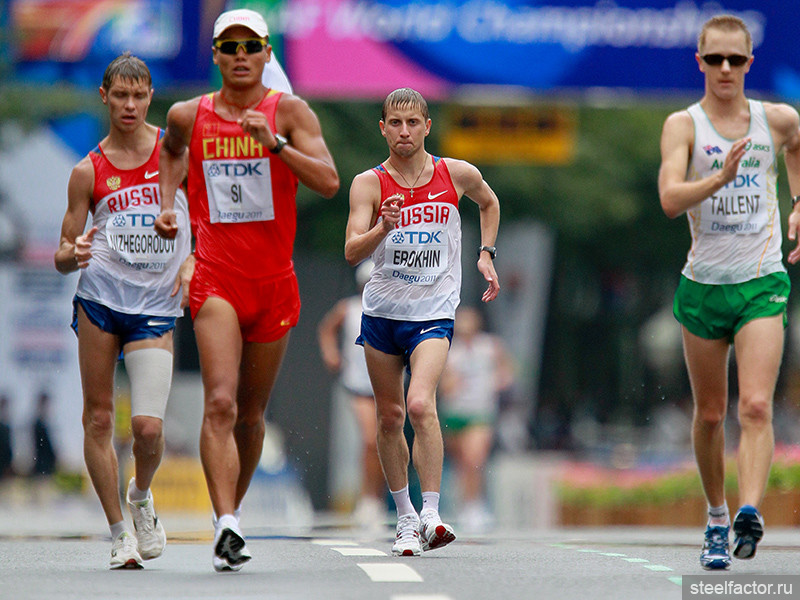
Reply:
x=239 y=190
x=735 y=209
x=133 y=242
x=416 y=257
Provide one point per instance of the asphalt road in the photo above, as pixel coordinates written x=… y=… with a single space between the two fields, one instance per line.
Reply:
x=54 y=552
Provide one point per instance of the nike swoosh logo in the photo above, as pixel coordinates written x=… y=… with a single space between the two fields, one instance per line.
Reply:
x=427 y=329
x=149 y=175
x=155 y=323
x=434 y=196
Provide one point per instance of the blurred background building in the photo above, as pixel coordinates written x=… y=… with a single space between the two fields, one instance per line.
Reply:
x=559 y=103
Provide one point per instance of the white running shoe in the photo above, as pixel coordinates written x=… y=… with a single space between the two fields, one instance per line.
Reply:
x=149 y=531
x=124 y=553
x=407 y=541
x=230 y=550
x=432 y=532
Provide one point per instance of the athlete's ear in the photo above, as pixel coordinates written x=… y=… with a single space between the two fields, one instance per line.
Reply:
x=103 y=95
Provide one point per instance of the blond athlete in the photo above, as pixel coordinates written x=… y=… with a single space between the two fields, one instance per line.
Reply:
x=719 y=166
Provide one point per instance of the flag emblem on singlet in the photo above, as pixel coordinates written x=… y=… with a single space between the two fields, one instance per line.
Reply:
x=113 y=183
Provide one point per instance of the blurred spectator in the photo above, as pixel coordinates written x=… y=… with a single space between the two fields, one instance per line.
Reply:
x=44 y=453
x=6 y=446
x=479 y=368
x=337 y=335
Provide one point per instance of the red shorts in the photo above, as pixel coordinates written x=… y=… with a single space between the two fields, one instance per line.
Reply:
x=267 y=308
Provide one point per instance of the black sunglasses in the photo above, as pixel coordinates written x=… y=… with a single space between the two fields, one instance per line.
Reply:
x=251 y=46
x=734 y=60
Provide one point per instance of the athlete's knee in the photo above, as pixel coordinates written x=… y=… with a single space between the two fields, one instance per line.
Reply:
x=147 y=431
x=421 y=410
x=98 y=422
x=391 y=418
x=220 y=408
x=755 y=410
x=710 y=415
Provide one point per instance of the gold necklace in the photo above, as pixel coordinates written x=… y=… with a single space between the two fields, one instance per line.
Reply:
x=411 y=187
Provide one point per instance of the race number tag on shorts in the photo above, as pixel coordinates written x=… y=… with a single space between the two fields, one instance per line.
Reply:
x=417 y=257
x=735 y=209
x=133 y=241
x=239 y=190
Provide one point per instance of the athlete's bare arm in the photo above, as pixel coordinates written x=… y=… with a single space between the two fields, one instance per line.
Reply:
x=364 y=232
x=328 y=335
x=172 y=162
x=470 y=183
x=74 y=249
x=678 y=195
x=306 y=153
x=784 y=124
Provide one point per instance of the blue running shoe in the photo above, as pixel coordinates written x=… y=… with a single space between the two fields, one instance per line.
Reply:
x=715 y=554
x=749 y=529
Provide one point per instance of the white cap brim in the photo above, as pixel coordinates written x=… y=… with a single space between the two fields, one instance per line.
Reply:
x=244 y=17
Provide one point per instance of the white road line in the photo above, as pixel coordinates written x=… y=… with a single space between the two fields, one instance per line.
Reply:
x=617 y=554
x=676 y=580
x=390 y=572
x=636 y=560
x=351 y=551
x=324 y=542
x=420 y=597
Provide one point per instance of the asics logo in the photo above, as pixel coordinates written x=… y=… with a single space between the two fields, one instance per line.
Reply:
x=149 y=175
x=434 y=196
x=426 y=330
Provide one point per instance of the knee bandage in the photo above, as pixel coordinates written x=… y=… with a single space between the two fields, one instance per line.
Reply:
x=150 y=374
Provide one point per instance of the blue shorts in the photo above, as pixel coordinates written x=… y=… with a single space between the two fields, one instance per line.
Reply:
x=128 y=328
x=401 y=337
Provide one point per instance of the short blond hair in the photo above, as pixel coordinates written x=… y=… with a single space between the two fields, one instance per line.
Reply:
x=405 y=98
x=725 y=23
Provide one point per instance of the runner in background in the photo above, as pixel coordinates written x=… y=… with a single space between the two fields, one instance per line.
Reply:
x=337 y=333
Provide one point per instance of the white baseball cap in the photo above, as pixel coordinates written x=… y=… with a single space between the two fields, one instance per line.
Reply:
x=242 y=16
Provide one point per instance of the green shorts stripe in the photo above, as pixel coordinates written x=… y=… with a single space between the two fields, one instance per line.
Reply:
x=719 y=311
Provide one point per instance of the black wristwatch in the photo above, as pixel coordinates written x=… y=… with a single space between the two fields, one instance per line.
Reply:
x=490 y=249
x=280 y=143
x=795 y=200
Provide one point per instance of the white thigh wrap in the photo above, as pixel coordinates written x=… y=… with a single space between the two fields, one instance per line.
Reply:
x=150 y=374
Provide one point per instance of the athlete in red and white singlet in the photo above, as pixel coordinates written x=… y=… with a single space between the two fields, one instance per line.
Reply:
x=413 y=234
x=417 y=275
x=127 y=300
x=133 y=269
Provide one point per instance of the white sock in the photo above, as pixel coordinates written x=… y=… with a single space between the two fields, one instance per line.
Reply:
x=236 y=513
x=135 y=494
x=430 y=500
x=718 y=516
x=228 y=522
x=117 y=528
x=402 y=501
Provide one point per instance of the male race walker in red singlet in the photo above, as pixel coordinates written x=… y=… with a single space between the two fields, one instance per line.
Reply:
x=404 y=214
x=248 y=147
x=126 y=301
